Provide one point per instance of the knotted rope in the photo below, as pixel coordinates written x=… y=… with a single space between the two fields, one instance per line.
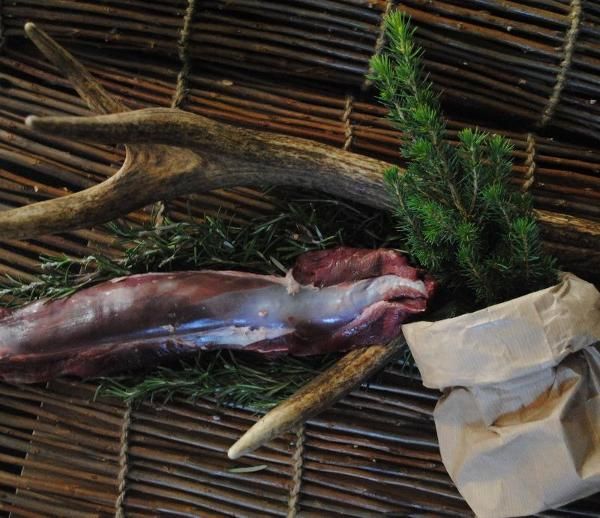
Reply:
x=379 y=44
x=530 y=163
x=348 y=130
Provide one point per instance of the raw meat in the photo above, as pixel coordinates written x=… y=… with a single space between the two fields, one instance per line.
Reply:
x=331 y=300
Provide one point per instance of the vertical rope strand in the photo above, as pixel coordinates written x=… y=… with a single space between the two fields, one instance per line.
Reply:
x=184 y=55
x=298 y=467
x=181 y=87
x=530 y=163
x=348 y=130
x=123 y=463
x=379 y=44
x=565 y=64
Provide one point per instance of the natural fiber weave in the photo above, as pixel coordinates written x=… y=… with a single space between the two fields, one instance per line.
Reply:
x=374 y=453
x=533 y=62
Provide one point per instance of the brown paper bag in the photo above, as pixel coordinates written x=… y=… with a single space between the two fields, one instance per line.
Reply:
x=519 y=421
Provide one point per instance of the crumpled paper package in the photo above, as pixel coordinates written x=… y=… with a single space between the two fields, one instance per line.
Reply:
x=519 y=421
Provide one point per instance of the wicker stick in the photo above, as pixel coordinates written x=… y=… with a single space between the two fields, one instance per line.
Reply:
x=202 y=464
x=98 y=411
x=26 y=501
x=21 y=442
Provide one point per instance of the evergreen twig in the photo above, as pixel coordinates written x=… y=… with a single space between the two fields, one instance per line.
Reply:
x=231 y=378
x=455 y=208
x=269 y=244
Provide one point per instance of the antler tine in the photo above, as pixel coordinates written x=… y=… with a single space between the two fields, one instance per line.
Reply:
x=98 y=99
x=320 y=393
x=147 y=126
x=128 y=190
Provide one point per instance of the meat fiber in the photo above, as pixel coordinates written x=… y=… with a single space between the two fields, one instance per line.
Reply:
x=331 y=300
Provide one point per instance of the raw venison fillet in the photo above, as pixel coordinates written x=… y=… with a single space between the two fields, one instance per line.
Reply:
x=331 y=300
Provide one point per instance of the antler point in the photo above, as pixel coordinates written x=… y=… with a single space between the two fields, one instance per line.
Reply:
x=30 y=27
x=235 y=452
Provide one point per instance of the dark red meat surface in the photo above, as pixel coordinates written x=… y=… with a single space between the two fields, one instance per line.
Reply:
x=332 y=300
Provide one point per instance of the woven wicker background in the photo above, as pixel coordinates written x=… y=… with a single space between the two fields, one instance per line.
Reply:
x=298 y=68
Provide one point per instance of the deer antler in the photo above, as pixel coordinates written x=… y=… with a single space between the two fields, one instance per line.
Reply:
x=170 y=152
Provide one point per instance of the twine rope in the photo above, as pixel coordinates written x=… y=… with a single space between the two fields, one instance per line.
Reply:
x=348 y=129
x=298 y=467
x=379 y=44
x=565 y=64
x=184 y=55
x=123 y=463
x=530 y=163
x=181 y=87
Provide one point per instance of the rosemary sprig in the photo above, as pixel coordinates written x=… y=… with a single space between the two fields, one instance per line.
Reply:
x=269 y=244
x=455 y=207
x=231 y=378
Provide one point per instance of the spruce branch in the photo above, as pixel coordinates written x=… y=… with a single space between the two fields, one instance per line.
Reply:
x=454 y=206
